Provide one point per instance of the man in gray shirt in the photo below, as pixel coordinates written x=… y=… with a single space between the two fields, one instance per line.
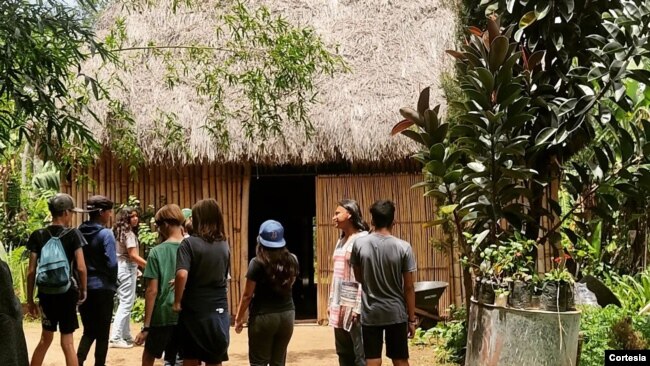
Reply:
x=385 y=267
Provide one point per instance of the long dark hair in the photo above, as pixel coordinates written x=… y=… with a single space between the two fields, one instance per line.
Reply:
x=122 y=224
x=207 y=221
x=280 y=265
x=352 y=207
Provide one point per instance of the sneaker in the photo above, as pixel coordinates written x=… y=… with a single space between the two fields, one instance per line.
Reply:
x=119 y=344
x=130 y=341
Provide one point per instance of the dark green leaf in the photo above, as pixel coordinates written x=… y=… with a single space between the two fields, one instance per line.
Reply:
x=440 y=133
x=487 y=80
x=602 y=160
x=541 y=9
x=544 y=135
x=413 y=136
x=627 y=145
x=423 y=101
x=412 y=115
x=498 y=52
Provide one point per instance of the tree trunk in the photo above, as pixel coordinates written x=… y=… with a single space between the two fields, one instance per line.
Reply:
x=469 y=289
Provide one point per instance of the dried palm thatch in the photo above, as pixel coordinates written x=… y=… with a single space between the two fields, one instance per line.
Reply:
x=393 y=49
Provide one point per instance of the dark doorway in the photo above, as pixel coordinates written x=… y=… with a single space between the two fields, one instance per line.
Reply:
x=291 y=200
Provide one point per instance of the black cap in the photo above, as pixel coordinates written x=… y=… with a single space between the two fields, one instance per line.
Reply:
x=61 y=202
x=97 y=203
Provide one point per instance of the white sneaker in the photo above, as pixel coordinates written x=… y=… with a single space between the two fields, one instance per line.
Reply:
x=119 y=344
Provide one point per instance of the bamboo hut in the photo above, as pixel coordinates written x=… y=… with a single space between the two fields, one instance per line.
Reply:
x=393 y=49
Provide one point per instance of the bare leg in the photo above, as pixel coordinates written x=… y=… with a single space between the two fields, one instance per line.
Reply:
x=67 y=345
x=41 y=348
x=147 y=359
x=401 y=362
x=373 y=362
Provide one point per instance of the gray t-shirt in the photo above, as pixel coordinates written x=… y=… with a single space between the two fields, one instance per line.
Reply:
x=383 y=260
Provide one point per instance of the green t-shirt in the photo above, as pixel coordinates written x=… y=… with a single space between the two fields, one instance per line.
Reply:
x=161 y=266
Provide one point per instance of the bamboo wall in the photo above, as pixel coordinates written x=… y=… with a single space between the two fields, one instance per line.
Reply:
x=412 y=212
x=157 y=186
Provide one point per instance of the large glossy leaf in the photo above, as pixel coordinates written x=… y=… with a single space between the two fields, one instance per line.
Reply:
x=401 y=126
x=544 y=135
x=440 y=133
x=498 y=52
x=602 y=160
x=423 y=101
x=493 y=29
x=527 y=19
x=627 y=145
x=486 y=77
x=437 y=152
x=413 y=136
x=430 y=120
x=436 y=168
x=412 y=115
x=476 y=166
x=541 y=9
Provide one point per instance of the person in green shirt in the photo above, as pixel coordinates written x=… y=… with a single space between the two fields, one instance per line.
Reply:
x=159 y=330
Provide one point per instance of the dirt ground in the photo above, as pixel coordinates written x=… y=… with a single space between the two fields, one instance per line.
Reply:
x=311 y=345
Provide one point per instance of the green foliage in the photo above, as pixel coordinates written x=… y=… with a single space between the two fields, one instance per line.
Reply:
x=48 y=179
x=632 y=291
x=448 y=338
x=540 y=92
x=18 y=263
x=137 y=313
x=32 y=214
x=42 y=52
x=146 y=236
x=600 y=328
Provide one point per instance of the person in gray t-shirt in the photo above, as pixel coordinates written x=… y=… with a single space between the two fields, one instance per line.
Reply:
x=385 y=267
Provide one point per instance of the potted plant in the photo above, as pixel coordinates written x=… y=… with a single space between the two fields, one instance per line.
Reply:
x=557 y=288
x=521 y=290
x=501 y=297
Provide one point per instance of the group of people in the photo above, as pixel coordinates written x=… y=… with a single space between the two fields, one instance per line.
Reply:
x=186 y=317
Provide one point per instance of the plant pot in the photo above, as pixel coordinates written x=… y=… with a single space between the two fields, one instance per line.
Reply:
x=501 y=300
x=486 y=294
x=521 y=295
x=556 y=296
x=477 y=288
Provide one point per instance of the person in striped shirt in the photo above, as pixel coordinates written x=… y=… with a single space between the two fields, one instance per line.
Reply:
x=345 y=294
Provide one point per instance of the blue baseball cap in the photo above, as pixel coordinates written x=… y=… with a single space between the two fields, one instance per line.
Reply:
x=271 y=234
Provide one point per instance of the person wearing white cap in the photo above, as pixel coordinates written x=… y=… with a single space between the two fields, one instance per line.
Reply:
x=269 y=280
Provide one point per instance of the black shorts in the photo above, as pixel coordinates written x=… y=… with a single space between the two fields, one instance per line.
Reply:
x=204 y=336
x=59 y=311
x=397 y=347
x=159 y=340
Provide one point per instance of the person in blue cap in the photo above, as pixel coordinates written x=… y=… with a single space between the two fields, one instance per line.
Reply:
x=267 y=296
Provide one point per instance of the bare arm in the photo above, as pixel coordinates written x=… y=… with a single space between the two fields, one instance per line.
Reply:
x=409 y=296
x=134 y=256
x=31 y=277
x=245 y=301
x=83 y=276
x=358 y=273
x=149 y=301
x=179 y=288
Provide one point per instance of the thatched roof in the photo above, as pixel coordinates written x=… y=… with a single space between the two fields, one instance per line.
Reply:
x=393 y=48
